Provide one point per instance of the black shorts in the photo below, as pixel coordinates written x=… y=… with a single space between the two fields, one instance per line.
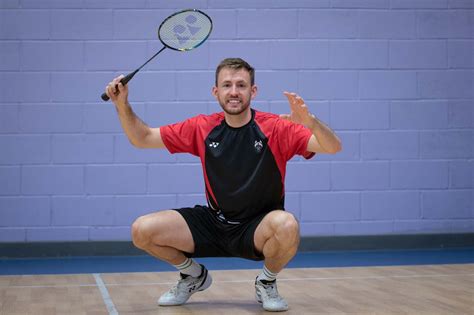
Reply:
x=216 y=237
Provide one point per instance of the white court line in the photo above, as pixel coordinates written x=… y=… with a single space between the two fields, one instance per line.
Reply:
x=238 y=281
x=305 y=279
x=105 y=295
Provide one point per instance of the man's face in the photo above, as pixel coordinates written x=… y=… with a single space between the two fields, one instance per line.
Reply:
x=234 y=90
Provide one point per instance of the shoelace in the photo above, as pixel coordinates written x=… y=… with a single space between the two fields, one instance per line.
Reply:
x=174 y=288
x=272 y=291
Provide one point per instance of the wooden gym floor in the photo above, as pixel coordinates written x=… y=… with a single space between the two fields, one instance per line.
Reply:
x=414 y=289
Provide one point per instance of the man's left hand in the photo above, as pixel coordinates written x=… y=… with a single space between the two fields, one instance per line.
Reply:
x=299 y=111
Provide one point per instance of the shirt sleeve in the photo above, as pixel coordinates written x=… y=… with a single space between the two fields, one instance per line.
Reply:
x=294 y=140
x=181 y=137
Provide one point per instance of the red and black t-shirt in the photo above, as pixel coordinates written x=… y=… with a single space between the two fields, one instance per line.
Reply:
x=244 y=168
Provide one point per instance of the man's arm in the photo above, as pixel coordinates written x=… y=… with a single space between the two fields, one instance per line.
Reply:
x=323 y=140
x=138 y=133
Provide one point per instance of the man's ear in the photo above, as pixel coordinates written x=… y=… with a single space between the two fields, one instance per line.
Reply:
x=214 y=91
x=254 y=90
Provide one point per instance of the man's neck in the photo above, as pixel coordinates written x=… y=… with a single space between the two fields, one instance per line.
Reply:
x=237 y=121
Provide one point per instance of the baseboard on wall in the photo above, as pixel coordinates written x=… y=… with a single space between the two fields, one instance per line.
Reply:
x=386 y=242
x=68 y=249
x=308 y=244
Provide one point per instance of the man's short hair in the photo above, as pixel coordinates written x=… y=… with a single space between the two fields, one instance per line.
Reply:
x=236 y=64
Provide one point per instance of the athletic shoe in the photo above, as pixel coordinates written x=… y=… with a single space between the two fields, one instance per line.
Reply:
x=266 y=292
x=185 y=287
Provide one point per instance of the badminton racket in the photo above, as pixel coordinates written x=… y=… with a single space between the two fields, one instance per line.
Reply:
x=181 y=31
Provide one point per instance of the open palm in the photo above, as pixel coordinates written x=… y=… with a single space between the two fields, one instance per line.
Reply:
x=299 y=111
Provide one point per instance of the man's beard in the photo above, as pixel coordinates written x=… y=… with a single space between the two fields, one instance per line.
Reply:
x=234 y=111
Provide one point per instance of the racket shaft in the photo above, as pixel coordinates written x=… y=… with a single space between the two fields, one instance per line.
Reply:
x=152 y=57
x=129 y=76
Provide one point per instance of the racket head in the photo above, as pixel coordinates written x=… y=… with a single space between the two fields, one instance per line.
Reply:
x=185 y=30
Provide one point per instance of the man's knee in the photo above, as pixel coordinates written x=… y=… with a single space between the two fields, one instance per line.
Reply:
x=287 y=227
x=140 y=232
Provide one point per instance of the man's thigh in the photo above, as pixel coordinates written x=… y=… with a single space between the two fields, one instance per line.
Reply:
x=168 y=228
x=268 y=226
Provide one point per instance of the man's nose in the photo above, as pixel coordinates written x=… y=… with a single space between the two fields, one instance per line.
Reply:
x=233 y=90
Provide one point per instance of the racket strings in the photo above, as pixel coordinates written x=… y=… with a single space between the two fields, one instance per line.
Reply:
x=185 y=30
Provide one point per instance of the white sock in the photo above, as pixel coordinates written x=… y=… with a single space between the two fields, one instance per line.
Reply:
x=267 y=275
x=189 y=267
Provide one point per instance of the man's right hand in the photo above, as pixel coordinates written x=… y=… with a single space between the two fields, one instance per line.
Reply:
x=117 y=92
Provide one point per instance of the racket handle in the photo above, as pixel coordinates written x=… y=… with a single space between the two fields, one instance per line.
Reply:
x=124 y=81
x=105 y=97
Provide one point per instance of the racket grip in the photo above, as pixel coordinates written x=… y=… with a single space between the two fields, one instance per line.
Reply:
x=105 y=97
x=124 y=81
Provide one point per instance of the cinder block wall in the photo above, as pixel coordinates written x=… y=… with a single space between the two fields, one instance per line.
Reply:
x=394 y=78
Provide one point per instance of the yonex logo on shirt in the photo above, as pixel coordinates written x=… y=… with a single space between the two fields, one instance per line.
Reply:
x=214 y=144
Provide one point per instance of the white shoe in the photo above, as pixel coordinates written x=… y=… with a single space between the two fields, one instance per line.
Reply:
x=185 y=287
x=266 y=292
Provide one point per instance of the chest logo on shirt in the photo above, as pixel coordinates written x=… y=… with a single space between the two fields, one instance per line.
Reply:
x=258 y=146
x=214 y=144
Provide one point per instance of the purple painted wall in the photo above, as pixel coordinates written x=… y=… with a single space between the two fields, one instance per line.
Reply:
x=394 y=78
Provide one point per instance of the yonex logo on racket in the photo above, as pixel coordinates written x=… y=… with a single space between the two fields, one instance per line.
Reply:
x=185 y=30
x=180 y=29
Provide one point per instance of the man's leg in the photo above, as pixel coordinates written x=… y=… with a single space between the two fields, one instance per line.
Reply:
x=277 y=237
x=166 y=235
